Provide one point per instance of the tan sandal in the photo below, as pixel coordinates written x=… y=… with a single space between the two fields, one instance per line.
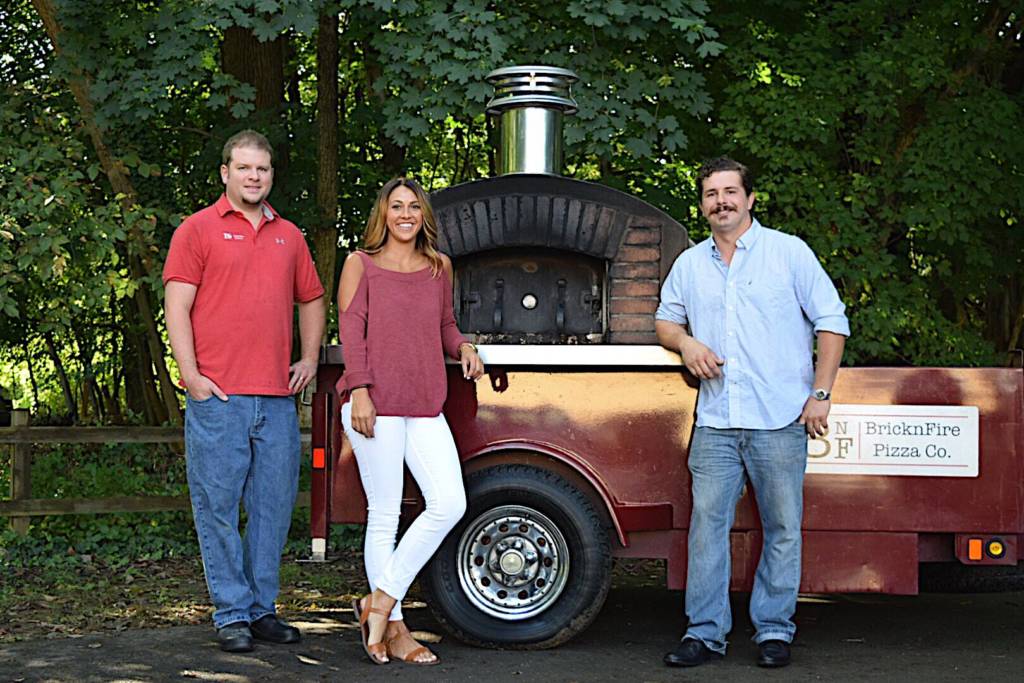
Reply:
x=410 y=658
x=377 y=651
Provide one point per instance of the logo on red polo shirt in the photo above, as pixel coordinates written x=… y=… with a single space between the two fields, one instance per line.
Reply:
x=233 y=236
x=279 y=240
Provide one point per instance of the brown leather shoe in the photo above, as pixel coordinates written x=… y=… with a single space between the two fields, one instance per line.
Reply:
x=377 y=652
x=410 y=658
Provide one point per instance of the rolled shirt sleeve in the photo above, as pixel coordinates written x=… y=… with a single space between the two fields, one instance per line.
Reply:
x=817 y=295
x=672 y=307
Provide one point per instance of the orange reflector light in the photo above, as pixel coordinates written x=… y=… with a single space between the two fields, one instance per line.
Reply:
x=974 y=549
x=319 y=459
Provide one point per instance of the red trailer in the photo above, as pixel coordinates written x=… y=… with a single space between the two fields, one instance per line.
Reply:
x=575 y=444
x=577 y=454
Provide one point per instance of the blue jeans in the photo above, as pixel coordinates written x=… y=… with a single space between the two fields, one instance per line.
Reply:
x=720 y=462
x=243 y=450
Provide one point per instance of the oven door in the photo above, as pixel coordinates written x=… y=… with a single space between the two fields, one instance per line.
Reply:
x=513 y=292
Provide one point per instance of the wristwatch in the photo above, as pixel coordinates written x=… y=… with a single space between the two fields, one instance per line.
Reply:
x=821 y=395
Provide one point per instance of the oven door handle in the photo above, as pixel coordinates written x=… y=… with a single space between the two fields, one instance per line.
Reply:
x=499 y=299
x=560 y=315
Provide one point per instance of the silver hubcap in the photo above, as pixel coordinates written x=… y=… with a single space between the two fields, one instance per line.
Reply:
x=513 y=562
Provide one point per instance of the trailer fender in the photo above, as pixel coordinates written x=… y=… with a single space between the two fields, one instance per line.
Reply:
x=566 y=463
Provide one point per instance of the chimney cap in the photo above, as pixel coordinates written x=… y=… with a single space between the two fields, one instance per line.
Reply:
x=532 y=86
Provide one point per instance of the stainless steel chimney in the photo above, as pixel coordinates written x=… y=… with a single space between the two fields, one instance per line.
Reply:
x=531 y=102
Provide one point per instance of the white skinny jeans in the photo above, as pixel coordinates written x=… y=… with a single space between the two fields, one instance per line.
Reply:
x=425 y=444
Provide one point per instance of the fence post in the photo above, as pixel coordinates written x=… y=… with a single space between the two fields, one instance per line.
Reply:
x=21 y=471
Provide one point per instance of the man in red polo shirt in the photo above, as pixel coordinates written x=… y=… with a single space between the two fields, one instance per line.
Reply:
x=234 y=274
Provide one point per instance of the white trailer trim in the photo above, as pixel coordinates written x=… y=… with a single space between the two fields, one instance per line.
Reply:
x=577 y=355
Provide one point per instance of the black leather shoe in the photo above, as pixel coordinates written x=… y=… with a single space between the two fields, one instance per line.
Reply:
x=273 y=630
x=691 y=652
x=773 y=654
x=235 y=637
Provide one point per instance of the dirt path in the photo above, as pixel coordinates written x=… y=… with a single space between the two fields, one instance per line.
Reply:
x=929 y=637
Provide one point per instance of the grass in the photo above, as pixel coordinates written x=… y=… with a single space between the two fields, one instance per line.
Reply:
x=94 y=596
x=76 y=598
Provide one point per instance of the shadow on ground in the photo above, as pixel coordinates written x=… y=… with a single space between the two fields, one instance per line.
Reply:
x=929 y=637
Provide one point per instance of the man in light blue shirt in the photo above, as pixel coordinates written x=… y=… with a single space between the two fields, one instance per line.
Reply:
x=743 y=309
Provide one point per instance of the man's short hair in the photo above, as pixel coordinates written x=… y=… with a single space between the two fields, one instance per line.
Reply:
x=246 y=138
x=719 y=164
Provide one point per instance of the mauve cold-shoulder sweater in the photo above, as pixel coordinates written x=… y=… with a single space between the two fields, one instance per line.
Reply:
x=394 y=335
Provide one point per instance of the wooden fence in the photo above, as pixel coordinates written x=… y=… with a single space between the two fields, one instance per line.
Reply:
x=21 y=436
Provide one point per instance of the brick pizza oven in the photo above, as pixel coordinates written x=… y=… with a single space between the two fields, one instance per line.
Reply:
x=541 y=258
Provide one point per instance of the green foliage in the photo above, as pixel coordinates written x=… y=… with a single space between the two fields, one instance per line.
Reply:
x=53 y=237
x=97 y=471
x=887 y=136
x=641 y=84
x=413 y=94
x=74 y=540
x=890 y=139
x=88 y=471
x=635 y=61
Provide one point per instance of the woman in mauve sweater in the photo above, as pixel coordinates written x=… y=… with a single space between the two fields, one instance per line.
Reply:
x=396 y=325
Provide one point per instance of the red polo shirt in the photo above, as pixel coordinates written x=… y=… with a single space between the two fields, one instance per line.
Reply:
x=248 y=282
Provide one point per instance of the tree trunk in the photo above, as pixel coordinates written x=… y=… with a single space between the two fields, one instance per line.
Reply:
x=134 y=394
x=325 y=235
x=113 y=407
x=261 y=65
x=140 y=261
x=111 y=398
x=393 y=154
x=492 y=145
x=65 y=384
x=140 y=392
x=157 y=354
x=91 y=404
x=31 y=376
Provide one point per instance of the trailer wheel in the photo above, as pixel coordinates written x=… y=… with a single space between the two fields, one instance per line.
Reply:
x=528 y=567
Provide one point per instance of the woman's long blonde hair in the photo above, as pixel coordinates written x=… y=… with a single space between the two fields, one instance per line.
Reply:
x=377 y=229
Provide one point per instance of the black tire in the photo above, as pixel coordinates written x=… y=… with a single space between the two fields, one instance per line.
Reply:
x=554 y=596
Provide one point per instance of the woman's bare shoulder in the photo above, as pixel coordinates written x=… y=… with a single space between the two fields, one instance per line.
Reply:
x=353 y=262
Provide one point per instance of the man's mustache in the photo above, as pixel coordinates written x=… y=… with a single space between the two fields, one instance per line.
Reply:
x=724 y=207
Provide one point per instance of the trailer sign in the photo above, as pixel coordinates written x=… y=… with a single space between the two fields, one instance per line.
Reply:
x=895 y=440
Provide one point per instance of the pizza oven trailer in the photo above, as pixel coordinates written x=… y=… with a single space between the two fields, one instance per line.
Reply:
x=575 y=443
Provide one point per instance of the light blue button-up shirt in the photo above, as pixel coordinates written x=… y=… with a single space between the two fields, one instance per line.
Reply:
x=760 y=314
